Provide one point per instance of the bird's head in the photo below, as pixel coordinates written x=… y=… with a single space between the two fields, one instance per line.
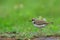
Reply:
x=33 y=19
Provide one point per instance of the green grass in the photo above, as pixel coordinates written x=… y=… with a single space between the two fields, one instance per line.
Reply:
x=17 y=19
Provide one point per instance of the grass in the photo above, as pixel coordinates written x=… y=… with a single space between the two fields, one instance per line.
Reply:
x=16 y=14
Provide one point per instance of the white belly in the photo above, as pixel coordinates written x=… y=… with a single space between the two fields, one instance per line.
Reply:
x=40 y=26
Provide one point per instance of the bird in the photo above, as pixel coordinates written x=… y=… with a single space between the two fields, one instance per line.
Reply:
x=40 y=23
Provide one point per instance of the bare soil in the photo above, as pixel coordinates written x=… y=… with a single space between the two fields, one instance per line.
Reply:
x=47 y=38
x=38 y=38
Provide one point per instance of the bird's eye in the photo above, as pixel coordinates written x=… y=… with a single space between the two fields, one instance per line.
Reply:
x=32 y=20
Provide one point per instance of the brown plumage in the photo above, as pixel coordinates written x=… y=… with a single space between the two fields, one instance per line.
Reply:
x=40 y=22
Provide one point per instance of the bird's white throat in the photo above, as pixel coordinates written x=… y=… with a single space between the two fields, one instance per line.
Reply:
x=33 y=21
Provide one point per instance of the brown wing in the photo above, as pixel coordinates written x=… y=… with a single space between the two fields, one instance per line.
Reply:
x=40 y=22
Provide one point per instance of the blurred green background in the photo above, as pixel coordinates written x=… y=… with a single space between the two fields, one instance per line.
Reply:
x=16 y=14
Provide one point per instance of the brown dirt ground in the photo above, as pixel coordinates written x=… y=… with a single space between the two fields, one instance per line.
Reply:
x=36 y=38
x=49 y=37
